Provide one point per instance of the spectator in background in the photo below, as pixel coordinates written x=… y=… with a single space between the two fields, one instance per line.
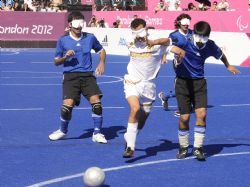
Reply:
x=248 y=5
x=117 y=24
x=172 y=4
x=2 y=5
x=7 y=5
x=177 y=6
x=161 y=6
x=62 y=8
x=43 y=8
x=127 y=6
x=26 y=8
x=135 y=16
x=115 y=7
x=103 y=24
x=191 y=7
x=17 y=6
x=93 y=22
x=214 y=6
x=223 y=5
x=203 y=7
x=106 y=8
x=51 y=8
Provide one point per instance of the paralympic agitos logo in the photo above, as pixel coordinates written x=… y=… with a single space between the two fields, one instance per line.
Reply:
x=240 y=25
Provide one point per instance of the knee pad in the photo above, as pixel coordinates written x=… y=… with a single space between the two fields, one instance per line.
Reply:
x=146 y=107
x=66 y=112
x=97 y=108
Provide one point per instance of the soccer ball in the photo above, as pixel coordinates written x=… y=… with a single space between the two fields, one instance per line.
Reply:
x=94 y=177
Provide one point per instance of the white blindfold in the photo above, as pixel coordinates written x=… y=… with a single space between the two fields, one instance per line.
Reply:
x=77 y=23
x=201 y=39
x=185 y=21
x=139 y=34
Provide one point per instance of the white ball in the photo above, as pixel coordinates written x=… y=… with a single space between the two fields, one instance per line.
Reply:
x=94 y=177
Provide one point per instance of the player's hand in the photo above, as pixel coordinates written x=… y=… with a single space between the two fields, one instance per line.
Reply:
x=233 y=70
x=181 y=54
x=100 y=69
x=69 y=53
x=150 y=43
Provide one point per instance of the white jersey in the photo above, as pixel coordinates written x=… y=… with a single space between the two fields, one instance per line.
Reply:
x=145 y=62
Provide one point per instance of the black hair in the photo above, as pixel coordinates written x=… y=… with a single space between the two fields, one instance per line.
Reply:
x=75 y=15
x=136 y=22
x=177 y=23
x=190 y=6
x=202 y=28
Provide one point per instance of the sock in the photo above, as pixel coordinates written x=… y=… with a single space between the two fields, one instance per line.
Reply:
x=64 y=125
x=97 y=123
x=199 y=135
x=131 y=135
x=183 y=136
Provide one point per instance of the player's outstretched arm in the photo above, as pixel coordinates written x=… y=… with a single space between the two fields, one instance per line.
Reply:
x=60 y=60
x=229 y=67
x=100 y=68
x=160 y=41
x=178 y=51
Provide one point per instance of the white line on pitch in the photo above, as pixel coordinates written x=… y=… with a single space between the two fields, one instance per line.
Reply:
x=87 y=108
x=216 y=76
x=236 y=105
x=52 y=181
x=30 y=84
x=41 y=62
x=117 y=107
x=29 y=72
x=20 y=109
x=31 y=77
x=7 y=62
x=117 y=62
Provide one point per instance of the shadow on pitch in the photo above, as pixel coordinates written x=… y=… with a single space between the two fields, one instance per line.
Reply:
x=109 y=132
x=214 y=149
x=165 y=145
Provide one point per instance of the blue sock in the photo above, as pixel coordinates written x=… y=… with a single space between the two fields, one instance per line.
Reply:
x=64 y=126
x=97 y=123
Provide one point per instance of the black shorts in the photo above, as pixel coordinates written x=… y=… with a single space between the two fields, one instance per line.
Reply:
x=77 y=83
x=190 y=94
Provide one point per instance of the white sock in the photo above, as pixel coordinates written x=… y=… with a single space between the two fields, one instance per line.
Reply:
x=199 y=136
x=183 y=136
x=198 y=139
x=183 y=141
x=131 y=134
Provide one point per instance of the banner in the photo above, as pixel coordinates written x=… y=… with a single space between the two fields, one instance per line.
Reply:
x=33 y=25
x=222 y=21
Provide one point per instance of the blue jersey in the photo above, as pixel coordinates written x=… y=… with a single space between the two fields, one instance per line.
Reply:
x=81 y=61
x=180 y=38
x=192 y=65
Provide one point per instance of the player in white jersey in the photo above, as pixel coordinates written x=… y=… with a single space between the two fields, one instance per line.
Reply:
x=139 y=82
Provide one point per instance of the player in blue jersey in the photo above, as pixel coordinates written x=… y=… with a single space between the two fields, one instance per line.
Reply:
x=191 y=86
x=181 y=34
x=73 y=52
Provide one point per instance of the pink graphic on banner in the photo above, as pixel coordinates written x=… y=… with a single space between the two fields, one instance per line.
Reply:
x=87 y=2
x=31 y=26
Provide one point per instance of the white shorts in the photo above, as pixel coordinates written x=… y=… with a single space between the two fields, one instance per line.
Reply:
x=144 y=90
